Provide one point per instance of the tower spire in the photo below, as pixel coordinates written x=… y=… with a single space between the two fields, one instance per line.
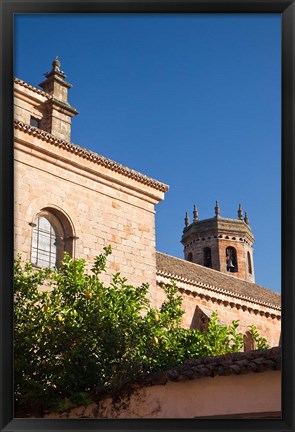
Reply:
x=240 y=212
x=246 y=219
x=186 y=220
x=195 y=213
x=217 y=209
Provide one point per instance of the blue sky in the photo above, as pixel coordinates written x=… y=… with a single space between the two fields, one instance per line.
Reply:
x=190 y=100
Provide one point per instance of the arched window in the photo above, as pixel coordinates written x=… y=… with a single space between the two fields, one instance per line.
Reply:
x=52 y=236
x=190 y=257
x=44 y=243
x=249 y=263
x=231 y=259
x=207 y=257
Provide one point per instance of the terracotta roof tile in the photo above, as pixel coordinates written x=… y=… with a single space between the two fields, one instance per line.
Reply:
x=225 y=365
x=90 y=155
x=32 y=88
x=180 y=270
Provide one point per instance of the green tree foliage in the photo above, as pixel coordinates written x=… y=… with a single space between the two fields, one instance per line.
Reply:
x=260 y=342
x=77 y=338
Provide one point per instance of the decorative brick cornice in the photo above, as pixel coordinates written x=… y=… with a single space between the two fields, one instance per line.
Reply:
x=215 y=289
x=202 y=285
x=91 y=156
x=32 y=88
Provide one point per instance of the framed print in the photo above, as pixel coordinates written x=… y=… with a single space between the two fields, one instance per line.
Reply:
x=146 y=223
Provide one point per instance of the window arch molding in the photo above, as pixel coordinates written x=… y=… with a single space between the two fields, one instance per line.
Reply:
x=53 y=234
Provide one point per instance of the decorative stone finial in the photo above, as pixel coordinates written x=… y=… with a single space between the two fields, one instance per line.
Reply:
x=56 y=72
x=246 y=219
x=240 y=212
x=56 y=65
x=186 y=220
x=217 y=209
x=195 y=213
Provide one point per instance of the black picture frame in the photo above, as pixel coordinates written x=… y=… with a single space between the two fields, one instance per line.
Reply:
x=8 y=8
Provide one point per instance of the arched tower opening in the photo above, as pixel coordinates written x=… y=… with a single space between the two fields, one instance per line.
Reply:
x=249 y=263
x=231 y=259
x=190 y=257
x=207 y=257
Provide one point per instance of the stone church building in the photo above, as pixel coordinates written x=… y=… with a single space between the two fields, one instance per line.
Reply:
x=68 y=198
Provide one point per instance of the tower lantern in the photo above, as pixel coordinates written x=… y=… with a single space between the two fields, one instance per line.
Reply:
x=221 y=243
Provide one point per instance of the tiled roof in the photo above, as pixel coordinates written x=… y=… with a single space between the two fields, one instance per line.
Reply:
x=180 y=270
x=230 y=364
x=92 y=156
x=32 y=88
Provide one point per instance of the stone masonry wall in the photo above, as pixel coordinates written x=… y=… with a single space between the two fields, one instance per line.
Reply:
x=197 y=250
x=266 y=319
x=28 y=102
x=103 y=207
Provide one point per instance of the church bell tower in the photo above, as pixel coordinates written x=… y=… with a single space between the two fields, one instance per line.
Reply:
x=220 y=243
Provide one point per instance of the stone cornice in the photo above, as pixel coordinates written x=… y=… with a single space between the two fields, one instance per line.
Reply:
x=62 y=106
x=91 y=156
x=217 y=225
x=215 y=289
x=32 y=88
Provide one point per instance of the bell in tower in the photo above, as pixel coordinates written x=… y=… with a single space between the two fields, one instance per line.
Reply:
x=220 y=243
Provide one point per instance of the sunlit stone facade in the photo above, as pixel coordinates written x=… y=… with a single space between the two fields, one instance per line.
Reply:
x=68 y=198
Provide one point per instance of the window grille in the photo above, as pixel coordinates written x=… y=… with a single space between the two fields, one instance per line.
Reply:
x=44 y=243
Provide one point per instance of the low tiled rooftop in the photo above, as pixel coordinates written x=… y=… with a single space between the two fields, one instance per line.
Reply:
x=229 y=364
x=180 y=270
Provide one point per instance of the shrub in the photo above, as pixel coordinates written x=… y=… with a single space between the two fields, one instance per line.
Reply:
x=79 y=338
